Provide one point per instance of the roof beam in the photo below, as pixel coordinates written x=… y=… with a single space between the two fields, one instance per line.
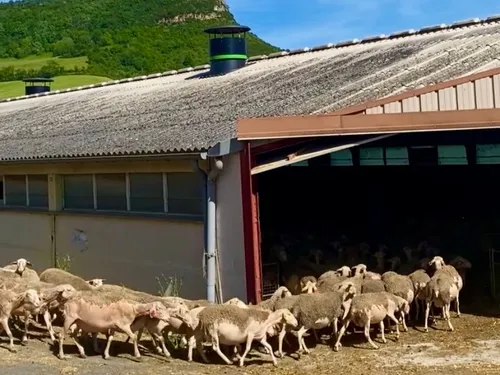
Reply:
x=229 y=146
x=331 y=125
x=298 y=156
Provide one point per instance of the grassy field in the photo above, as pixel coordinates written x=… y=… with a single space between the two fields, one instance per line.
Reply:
x=16 y=88
x=36 y=62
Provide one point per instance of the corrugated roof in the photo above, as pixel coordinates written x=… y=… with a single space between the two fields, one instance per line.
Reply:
x=178 y=111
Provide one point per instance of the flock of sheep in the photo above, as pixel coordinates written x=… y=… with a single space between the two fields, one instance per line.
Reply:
x=337 y=299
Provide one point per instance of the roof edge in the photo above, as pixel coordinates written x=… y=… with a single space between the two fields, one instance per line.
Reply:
x=359 y=108
x=284 y=53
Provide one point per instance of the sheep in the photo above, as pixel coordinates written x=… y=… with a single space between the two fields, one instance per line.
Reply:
x=96 y=282
x=94 y=313
x=20 y=267
x=361 y=270
x=419 y=278
x=372 y=308
x=340 y=274
x=48 y=295
x=58 y=276
x=439 y=266
x=11 y=301
x=440 y=291
x=461 y=265
x=401 y=286
x=231 y=325
x=372 y=286
x=280 y=293
x=319 y=310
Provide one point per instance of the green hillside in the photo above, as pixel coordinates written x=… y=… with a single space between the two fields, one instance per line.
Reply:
x=16 y=88
x=119 y=38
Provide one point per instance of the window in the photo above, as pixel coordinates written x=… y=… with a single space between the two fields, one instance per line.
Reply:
x=184 y=193
x=111 y=192
x=452 y=155
x=147 y=192
x=78 y=191
x=15 y=190
x=371 y=156
x=342 y=158
x=176 y=193
x=303 y=163
x=396 y=156
x=26 y=191
x=488 y=154
x=38 y=191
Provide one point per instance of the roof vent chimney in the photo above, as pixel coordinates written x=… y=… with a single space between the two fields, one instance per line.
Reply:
x=228 y=48
x=36 y=85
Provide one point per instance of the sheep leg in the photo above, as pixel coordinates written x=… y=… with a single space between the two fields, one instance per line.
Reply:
x=48 y=324
x=300 y=338
x=446 y=309
x=67 y=324
x=394 y=319
x=26 y=325
x=5 y=325
x=161 y=339
x=79 y=346
x=269 y=349
x=335 y=328
x=95 y=344
x=191 y=344
x=382 y=330
x=403 y=320
x=427 y=309
x=133 y=337
x=345 y=325
x=281 y=337
x=458 y=306
x=110 y=337
x=216 y=348
x=315 y=335
x=417 y=309
x=367 y=333
x=201 y=352
x=247 y=349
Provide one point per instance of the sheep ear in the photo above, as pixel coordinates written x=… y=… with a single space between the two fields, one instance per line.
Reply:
x=14 y=262
x=152 y=312
x=28 y=263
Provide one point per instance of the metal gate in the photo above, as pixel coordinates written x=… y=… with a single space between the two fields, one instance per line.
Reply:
x=494 y=273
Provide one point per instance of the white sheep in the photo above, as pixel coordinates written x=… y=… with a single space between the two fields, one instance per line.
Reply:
x=373 y=308
x=11 y=301
x=96 y=282
x=419 y=278
x=438 y=263
x=231 y=325
x=440 y=291
x=319 y=310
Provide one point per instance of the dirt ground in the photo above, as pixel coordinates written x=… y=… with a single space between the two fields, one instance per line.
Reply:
x=473 y=348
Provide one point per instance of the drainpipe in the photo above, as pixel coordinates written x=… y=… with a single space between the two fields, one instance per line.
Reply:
x=210 y=218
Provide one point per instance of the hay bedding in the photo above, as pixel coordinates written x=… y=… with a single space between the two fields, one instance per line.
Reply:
x=472 y=348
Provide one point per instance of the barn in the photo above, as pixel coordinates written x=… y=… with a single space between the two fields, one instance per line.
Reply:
x=199 y=173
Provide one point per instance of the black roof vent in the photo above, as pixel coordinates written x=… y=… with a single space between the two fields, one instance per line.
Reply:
x=36 y=85
x=228 y=48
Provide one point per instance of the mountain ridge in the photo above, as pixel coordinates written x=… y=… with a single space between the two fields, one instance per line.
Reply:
x=120 y=40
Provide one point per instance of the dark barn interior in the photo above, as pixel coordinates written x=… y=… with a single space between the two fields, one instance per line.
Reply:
x=438 y=187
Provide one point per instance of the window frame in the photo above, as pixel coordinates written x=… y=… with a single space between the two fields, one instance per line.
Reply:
x=129 y=211
x=4 y=203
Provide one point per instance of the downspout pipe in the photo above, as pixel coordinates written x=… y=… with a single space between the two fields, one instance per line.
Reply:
x=216 y=165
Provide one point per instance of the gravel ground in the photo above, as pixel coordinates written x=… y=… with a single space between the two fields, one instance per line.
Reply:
x=473 y=348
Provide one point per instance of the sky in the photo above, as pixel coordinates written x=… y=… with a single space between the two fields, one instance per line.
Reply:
x=307 y=23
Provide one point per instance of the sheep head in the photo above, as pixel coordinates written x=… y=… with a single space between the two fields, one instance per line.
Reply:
x=460 y=263
x=437 y=262
x=395 y=262
x=96 y=282
x=317 y=255
x=344 y=271
x=408 y=251
x=31 y=297
x=235 y=301
x=21 y=264
x=309 y=287
x=359 y=269
x=348 y=291
x=287 y=317
x=282 y=292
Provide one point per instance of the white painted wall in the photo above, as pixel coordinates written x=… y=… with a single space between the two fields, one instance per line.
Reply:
x=230 y=238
